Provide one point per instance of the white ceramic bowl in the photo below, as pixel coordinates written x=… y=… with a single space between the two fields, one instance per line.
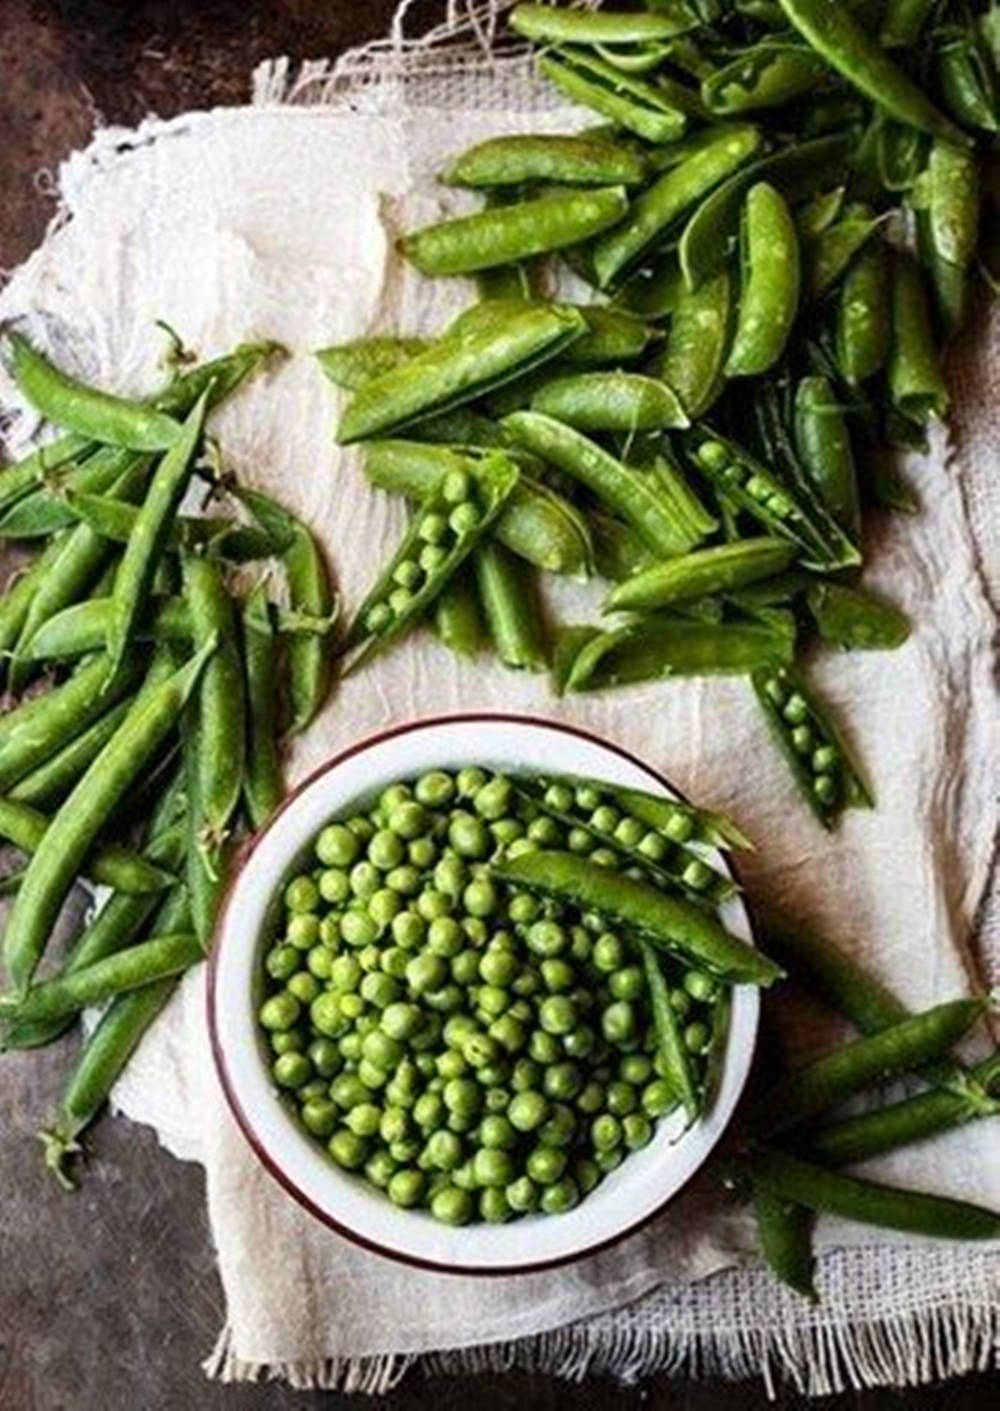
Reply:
x=625 y=1199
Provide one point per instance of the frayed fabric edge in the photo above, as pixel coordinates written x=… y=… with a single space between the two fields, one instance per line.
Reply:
x=908 y=1350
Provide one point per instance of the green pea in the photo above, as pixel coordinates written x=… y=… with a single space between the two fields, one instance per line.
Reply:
x=544 y=1048
x=547 y=938
x=470 y=780
x=445 y=937
x=496 y=1099
x=365 y=880
x=618 y=1023
x=590 y=1099
x=406 y=1187
x=426 y=972
x=479 y=1050
x=527 y=1110
x=444 y=1150
x=428 y=1110
x=468 y=835
x=282 y=961
x=508 y=1031
x=557 y=974
x=337 y=846
x=363 y=1120
x=302 y=894
x=386 y=850
x=498 y=967
x=324 y=1056
x=637 y=1131
x=523 y=908
x=492 y=1167
x=635 y=1068
x=586 y=1174
x=697 y=1037
x=494 y=800
x=653 y=846
x=408 y=574
x=383 y=905
x=579 y=840
x=405 y=1152
x=462 y=1095
x=506 y=830
x=289 y=1041
x=522 y=1195
x=304 y=986
x=378 y=618
x=563 y=1081
x=700 y=987
x=320 y=1117
x=451 y=875
x=379 y=1169
x=545 y=1165
x=358 y=929
x=580 y=1041
x=560 y=1128
x=352 y=1006
x=404 y=880
x=680 y=1002
x=557 y=1015
x=526 y=1074
x=605 y=1132
x=347 y=1149
x=496 y=1132
x=480 y=897
x=435 y=789
x=475 y=929
x=561 y=1196
x=546 y=831
x=361 y=827
x=394 y=1125
x=349 y=1044
x=291 y=1070
x=520 y=846
x=494 y=1206
x=432 y=903
x=302 y=930
x=451 y=1064
x=609 y=1161
x=371 y=1074
x=280 y=1012
x=608 y=954
x=347 y=1090
x=408 y=930
x=430 y=558
x=452 y=1206
x=629 y=832
x=394 y=960
x=465 y=967
x=422 y=852
x=605 y=819
x=622 y=1098
x=378 y=1048
x=319 y=962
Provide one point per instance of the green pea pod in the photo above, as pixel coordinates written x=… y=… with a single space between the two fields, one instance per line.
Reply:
x=459 y=369
x=624 y=402
x=949 y=284
x=673 y=923
x=567 y=642
x=508 y=282
x=15 y=603
x=263 y=786
x=711 y=232
x=690 y=515
x=900 y=153
x=549 y=25
x=50 y=781
x=837 y=36
x=83 y=628
x=765 y=76
x=669 y=1040
x=823 y=443
x=701 y=573
x=694 y=358
x=501 y=235
x=966 y=77
x=451 y=522
x=509 y=600
x=655 y=112
x=618 y=550
x=784 y=1234
x=536 y=523
x=86 y=410
x=652 y=214
x=834 y=977
x=23 y=476
x=864 y=316
x=609 y=335
x=216 y=379
x=219 y=538
x=832 y=253
x=654 y=291
x=458 y=617
x=623 y=490
x=903 y=22
x=681 y=822
x=660 y=646
x=819 y=213
x=45 y=509
x=800 y=1182
x=72 y=831
x=351 y=365
x=567 y=161
x=916 y=381
x=769 y=297
x=110 y=865
x=818 y=758
x=309 y=592
x=134 y=579
x=948 y=226
x=854 y=618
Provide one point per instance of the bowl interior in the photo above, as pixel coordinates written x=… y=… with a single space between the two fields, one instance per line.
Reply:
x=644 y=1182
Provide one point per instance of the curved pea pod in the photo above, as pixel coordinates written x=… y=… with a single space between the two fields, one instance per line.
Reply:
x=443 y=532
x=820 y=763
x=21 y=477
x=653 y=213
x=864 y=316
x=916 y=380
x=711 y=232
x=701 y=573
x=655 y=112
x=831 y=253
x=769 y=296
x=87 y=410
x=966 y=75
x=669 y=1040
x=948 y=225
x=263 y=786
x=351 y=365
x=766 y=76
x=83 y=628
x=694 y=358
x=109 y=865
x=502 y=235
x=784 y=1236
x=659 y=646
x=458 y=617
x=509 y=600
x=674 y=923
x=217 y=378
x=52 y=780
x=858 y=57
x=823 y=443
x=15 y=603
x=852 y=617
x=555 y=26
x=746 y=485
x=458 y=369
x=624 y=490
x=536 y=523
x=567 y=642
x=611 y=401
x=46 y=509
x=569 y=161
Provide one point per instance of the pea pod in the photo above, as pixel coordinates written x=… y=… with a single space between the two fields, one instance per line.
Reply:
x=612 y=336
x=711 y=232
x=655 y=112
x=536 y=523
x=669 y=1041
x=458 y=618
x=677 y=925
x=947 y=199
x=263 y=787
x=459 y=369
x=568 y=161
x=624 y=402
x=966 y=76
x=217 y=378
x=831 y=254
x=351 y=365
x=818 y=758
x=653 y=213
x=851 y=617
x=766 y=76
x=769 y=296
x=218 y=537
x=681 y=822
x=916 y=380
x=449 y=524
x=819 y=214
x=846 y=46
x=823 y=443
x=568 y=641
x=834 y=976
x=694 y=359
x=554 y=26
x=618 y=550
x=22 y=476
x=50 y=781
x=701 y=573
x=690 y=515
x=800 y=1182
x=784 y=1234
x=15 y=603
x=45 y=510
x=903 y=22
x=863 y=316
x=501 y=235
x=509 y=601
x=623 y=490
x=110 y=865
x=134 y=579
x=660 y=646
x=653 y=291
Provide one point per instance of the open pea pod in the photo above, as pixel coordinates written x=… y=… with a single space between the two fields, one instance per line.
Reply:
x=450 y=522
x=831 y=253
x=351 y=365
x=818 y=758
x=766 y=76
x=657 y=112
x=459 y=368
x=854 y=618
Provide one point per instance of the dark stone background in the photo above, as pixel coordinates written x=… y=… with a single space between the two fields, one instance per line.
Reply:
x=109 y=1298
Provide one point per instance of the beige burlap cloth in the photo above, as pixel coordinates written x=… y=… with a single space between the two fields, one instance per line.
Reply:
x=279 y=220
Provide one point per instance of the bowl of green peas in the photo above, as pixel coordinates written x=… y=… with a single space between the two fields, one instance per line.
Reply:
x=484 y=993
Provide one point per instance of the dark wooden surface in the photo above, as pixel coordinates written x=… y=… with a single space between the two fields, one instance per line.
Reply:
x=109 y=1297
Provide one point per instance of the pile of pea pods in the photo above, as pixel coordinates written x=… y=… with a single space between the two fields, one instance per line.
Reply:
x=170 y=682
x=775 y=223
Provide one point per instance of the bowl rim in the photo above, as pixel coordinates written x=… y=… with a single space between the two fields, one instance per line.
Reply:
x=266 y=1157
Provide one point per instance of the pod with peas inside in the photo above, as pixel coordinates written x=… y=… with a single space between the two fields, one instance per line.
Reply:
x=460 y=1057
